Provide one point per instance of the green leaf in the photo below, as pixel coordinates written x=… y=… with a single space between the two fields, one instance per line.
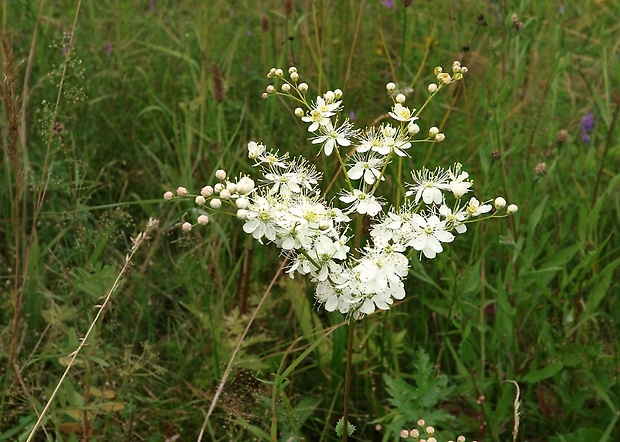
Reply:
x=542 y=373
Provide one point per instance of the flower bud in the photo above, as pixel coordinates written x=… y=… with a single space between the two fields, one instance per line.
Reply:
x=206 y=191
x=270 y=89
x=279 y=73
x=440 y=137
x=325 y=225
x=218 y=187
x=432 y=88
x=168 y=196
x=245 y=185
x=413 y=128
x=294 y=77
x=187 y=227
x=242 y=214
x=433 y=131
x=391 y=87
x=215 y=203
x=220 y=174
x=203 y=220
x=181 y=191
x=286 y=88
x=200 y=200
x=242 y=203
x=511 y=209
x=400 y=98
x=299 y=112
x=231 y=187
x=338 y=94
x=292 y=69
x=303 y=88
x=499 y=203
x=329 y=96
x=225 y=194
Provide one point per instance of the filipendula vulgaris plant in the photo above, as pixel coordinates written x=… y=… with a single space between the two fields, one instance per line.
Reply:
x=287 y=207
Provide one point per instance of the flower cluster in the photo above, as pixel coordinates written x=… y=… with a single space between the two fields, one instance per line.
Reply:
x=425 y=433
x=287 y=208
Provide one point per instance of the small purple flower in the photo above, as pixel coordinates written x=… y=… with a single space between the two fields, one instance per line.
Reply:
x=108 y=48
x=388 y=3
x=587 y=126
x=352 y=116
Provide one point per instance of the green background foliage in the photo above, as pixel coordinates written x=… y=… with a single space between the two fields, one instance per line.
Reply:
x=158 y=94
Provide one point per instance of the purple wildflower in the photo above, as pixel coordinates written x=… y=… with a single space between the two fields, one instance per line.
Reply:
x=587 y=126
x=388 y=3
x=352 y=116
x=108 y=48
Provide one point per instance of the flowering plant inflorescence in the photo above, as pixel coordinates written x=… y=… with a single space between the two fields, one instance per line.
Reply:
x=287 y=207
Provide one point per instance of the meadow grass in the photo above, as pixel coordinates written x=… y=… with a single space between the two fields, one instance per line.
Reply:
x=107 y=106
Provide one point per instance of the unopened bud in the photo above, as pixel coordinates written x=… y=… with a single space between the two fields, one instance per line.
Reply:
x=215 y=203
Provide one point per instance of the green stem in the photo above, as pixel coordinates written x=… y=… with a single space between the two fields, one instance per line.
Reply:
x=347 y=381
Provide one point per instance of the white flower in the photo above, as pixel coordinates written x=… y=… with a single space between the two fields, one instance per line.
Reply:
x=255 y=150
x=331 y=137
x=320 y=114
x=454 y=220
x=402 y=113
x=392 y=140
x=369 y=168
x=361 y=202
x=459 y=185
x=273 y=159
x=283 y=183
x=428 y=185
x=431 y=232
x=260 y=219
x=474 y=208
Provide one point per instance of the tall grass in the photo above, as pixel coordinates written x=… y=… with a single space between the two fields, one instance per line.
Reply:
x=171 y=92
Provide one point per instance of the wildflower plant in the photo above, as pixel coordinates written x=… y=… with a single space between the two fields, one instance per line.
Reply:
x=285 y=206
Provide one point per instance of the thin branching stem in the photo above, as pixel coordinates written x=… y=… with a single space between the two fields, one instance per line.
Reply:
x=101 y=308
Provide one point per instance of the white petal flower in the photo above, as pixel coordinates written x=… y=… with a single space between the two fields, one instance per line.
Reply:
x=430 y=233
x=361 y=202
x=428 y=185
x=369 y=168
x=331 y=137
x=474 y=208
x=402 y=113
